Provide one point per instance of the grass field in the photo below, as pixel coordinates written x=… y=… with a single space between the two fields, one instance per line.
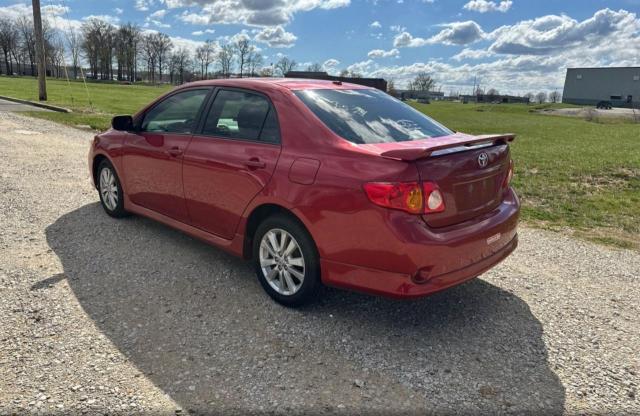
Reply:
x=93 y=105
x=571 y=174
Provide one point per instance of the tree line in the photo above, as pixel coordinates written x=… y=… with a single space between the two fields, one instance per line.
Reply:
x=127 y=53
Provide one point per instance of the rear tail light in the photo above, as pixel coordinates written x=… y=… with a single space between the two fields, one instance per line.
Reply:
x=507 y=179
x=434 y=198
x=412 y=197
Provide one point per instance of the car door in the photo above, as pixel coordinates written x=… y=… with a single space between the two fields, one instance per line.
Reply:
x=152 y=158
x=230 y=160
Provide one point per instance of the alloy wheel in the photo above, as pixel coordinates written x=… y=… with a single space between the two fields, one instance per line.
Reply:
x=282 y=261
x=108 y=189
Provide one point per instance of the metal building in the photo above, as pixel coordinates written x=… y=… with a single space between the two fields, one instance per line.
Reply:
x=587 y=86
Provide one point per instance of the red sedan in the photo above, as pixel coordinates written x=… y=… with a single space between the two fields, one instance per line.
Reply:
x=317 y=182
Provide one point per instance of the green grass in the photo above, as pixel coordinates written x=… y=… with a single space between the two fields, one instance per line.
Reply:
x=94 y=105
x=570 y=173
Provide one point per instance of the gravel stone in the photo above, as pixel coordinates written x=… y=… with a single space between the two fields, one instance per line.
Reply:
x=104 y=316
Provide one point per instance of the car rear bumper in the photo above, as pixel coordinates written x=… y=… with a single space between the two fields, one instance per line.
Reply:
x=433 y=260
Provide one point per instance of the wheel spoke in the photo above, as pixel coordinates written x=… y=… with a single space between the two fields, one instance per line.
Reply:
x=267 y=246
x=296 y=261
x=267 y=262
x=273 y=241
x=292 y=246
x=283 y=241
x=281 y=281
x=290 y=284
x=272 y=274
x=296 y=274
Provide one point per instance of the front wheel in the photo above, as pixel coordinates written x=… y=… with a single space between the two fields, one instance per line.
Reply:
x=110 y=190
x=286 y=261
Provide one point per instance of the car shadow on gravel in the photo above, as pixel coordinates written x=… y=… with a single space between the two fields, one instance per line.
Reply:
x=196 y=322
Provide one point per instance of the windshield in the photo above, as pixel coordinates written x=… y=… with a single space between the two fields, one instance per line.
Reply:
x=370 y=116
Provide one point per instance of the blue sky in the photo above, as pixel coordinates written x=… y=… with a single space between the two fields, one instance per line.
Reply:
x=515 y=46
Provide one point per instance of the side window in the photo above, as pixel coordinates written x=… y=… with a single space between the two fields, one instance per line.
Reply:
x=175 y=114
x=242 y=115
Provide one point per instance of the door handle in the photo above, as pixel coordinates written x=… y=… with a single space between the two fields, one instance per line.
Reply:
x=174 y=151
x=255 y=163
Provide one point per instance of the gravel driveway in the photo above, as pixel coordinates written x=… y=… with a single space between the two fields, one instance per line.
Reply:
x=129 y=316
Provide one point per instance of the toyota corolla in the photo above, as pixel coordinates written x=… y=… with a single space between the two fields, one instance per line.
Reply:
x=317 y=183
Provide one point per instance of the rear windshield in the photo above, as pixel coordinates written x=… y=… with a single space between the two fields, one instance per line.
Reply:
x=370 y=116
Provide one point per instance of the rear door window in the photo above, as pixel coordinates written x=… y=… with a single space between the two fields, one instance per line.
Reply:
x=242 y=115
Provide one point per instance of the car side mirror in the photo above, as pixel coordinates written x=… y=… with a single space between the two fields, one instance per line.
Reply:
x=122 y=123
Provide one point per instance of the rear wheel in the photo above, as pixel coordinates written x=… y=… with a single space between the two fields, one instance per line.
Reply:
x=286 y=261
x=110 y=190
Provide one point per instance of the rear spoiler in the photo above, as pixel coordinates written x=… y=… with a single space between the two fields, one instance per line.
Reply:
x=439 y=143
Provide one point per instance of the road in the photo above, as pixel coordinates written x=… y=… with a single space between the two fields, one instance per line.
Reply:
x=6 y=105
x=129 y=316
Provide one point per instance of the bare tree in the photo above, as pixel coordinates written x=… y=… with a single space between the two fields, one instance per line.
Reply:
x=97 y=45
x=424 y=82
x=73 y=42
x=149 y=56
x=391 y=88
x=554 y=97
x=243 y=49
x=204 y=55
x=541 y=97
x=225 y=60
x=182 y=59
x=315 y=67
x=266 y=71
x=254 y=62
x=8 y=42
x=28 y=46
x=285 y=65
x=162 y=45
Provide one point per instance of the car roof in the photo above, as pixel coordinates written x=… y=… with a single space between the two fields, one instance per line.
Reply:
x=288 y=83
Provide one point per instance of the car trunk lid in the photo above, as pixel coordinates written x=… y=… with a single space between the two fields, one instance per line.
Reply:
x=469 y=170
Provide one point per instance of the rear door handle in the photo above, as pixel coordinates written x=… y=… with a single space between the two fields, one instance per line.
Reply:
x=174 y=151
x=255 y=163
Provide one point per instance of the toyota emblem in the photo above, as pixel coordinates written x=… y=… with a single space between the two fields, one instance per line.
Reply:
x=483 y=160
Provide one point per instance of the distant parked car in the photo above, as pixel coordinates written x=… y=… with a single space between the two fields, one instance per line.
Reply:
x=424 y=101
x=604 y=105
x=317 y=183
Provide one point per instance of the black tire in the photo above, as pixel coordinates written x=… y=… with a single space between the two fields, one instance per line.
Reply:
x=310 y=289
x=118 y=210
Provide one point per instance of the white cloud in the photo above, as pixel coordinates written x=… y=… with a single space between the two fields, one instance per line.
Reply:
x=330 y=63
x=114 y=20
x=252 y=12
x=484 y=6
x=202 y=32
x=547 y=34
x=276 y=37
x=375 y=25
x=471 y=54
x=54 y=10
x=531 y=55
x=194 y=18
x=362 y=67
x=143 y=5
x=381 y=53
x=158 y=14
x=118 y=10
x=455 y=33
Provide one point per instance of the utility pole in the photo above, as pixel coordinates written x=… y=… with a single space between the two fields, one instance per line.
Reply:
x=40 y=57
